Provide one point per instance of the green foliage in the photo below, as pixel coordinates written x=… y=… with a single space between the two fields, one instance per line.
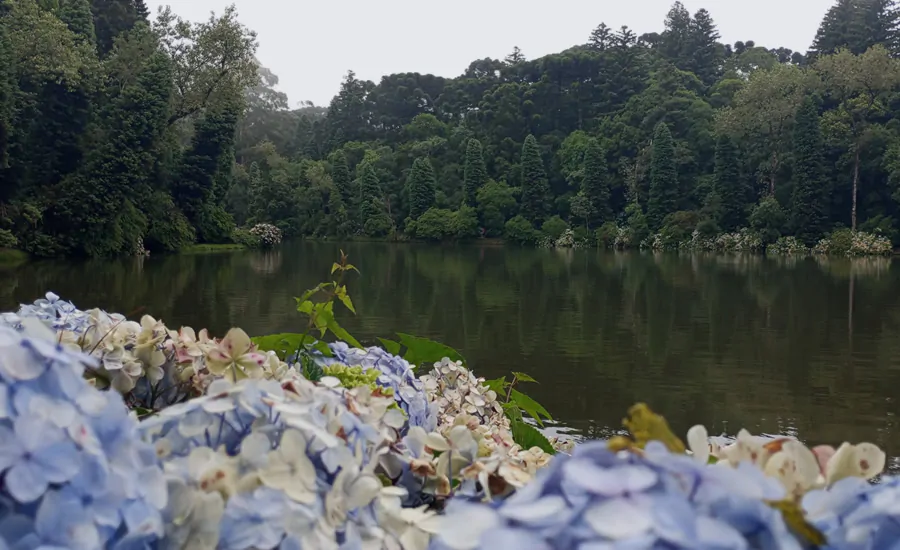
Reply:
x=638 y=227
x=7 y=239
x=168 y=229
x=554 y=227
x=421 y=187
x=678 y=226
x=475 y=173
x=535 y=189
x=808 y=203
x=663 y=198
x=496 y=203
x=595 y=184
x=768 y=220
x=353 y=377
x=729 y=200
x=514 y=404
x=419 y=351
x=214 y=224
x=520 y=231
x=245 y=237
x=606 y=235
x=438 y=224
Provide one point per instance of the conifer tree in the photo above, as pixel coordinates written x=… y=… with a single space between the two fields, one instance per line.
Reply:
x=76 y=14
x=112 y=18
x=474 y=172
x=595 y=184
x=663 y=196
x=808 y=203
x=727 y=184
x=601 y=38
x=371 y=199
x=706 y=53
x=535 y=189
x=340 y=175
x=421 y=187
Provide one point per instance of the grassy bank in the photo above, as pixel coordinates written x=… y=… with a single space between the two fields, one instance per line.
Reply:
x=10 y=256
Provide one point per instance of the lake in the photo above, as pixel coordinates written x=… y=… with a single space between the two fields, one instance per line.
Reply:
x=804 y=347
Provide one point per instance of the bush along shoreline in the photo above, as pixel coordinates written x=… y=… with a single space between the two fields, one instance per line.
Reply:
x=128 y=434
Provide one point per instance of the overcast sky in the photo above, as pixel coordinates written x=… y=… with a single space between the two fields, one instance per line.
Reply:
x=311 y=44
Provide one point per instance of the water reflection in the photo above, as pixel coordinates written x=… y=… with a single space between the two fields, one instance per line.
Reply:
x=801 y=346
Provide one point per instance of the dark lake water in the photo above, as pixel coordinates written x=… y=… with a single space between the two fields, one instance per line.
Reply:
x=802 y=347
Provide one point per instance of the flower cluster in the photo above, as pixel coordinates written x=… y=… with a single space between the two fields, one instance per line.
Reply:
x=396 y=374
x=259 y=464
x=788 y=246
x=598 y=498
x=74 y=473
x=268 y=234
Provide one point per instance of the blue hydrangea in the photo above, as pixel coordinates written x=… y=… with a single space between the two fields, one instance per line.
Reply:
x=74 y=473
x=54 y=312
x=396 y=374
x=254 y=464
x=600 y=499
x=856 y=515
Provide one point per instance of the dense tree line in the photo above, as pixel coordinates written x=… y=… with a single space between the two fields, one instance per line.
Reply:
x=665 y=132
x=117 y=131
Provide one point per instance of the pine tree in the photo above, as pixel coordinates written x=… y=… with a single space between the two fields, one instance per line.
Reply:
x=881 y=21
x=340 y=175
x=140 y=9
x=727 y=184
x=601 y=38
x=421 y=187
x=535 y=189
x=371 y=198
x=474 y=172
x=808 y=204
x=842 y=27
x=663 y=196
x=515 y=57
x=675 y=41
x=112 y=18
x=595 y=184
x=707 y=53
x=76 y=14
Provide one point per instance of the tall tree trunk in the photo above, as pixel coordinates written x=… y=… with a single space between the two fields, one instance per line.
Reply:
x=855 y=187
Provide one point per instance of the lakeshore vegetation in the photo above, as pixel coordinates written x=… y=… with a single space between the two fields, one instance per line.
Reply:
x=121 y=131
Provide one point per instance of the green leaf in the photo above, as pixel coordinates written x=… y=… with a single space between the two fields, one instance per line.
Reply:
x=513 y=412
x=522 y=377
x=335 y=267
x=322 y=347
x=342 y=334
x=345 y=299
x=422 y=350
x=390 y=346
x=282 y=344
x=142 y=413
x=305 y=307
x=534 y=409
x=527 y=436
x=499 y=385
x=309 y=293
x=350 y=267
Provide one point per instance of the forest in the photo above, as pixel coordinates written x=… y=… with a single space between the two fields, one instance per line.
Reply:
x=122 y=130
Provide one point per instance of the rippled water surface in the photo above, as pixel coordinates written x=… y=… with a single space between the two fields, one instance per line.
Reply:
x=803 y=347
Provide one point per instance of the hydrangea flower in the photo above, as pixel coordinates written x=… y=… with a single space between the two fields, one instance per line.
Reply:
x=396 y=373
x=261 y=463
x=74 y=473
x=597 y=499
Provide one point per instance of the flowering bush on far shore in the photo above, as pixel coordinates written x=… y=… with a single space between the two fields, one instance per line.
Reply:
x=268 y=234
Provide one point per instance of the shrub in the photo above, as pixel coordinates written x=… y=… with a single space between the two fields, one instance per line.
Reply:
x=168 y=230
x=788 y=246
x=554 y=227
x=246 y=238
x=214 y=225
x=768 y=220
x=268 y=234
x=436 y=224
x=519 y=231
x=607 y=234
x=464 y=223
x=379 y=225
x=638 y=227
x=7 y=239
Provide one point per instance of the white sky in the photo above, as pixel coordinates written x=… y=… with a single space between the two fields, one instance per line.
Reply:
x=310 y=44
